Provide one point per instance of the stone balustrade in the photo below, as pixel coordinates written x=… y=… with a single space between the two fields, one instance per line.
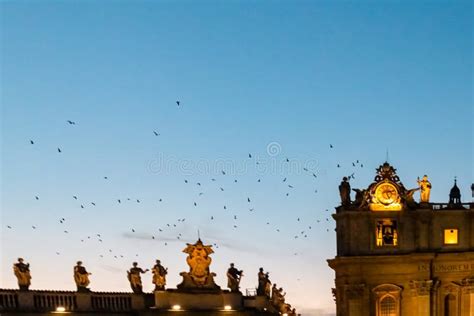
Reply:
x=106 y=302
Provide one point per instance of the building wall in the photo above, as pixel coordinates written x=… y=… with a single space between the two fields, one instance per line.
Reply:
x=419 y=230
x=418 y=282
x=404 y=257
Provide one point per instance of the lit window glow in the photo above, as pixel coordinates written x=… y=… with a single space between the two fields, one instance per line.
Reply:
x=451 y=236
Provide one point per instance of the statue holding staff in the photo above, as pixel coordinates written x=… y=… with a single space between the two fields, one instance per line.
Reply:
x=425 y=187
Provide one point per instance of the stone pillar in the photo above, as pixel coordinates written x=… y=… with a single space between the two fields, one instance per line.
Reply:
x=25 y=301
x=354 y=299
x=421 y=291
x=84 y=301
x=138 y=302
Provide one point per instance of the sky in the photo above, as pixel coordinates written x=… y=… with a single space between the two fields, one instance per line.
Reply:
x=280 y=81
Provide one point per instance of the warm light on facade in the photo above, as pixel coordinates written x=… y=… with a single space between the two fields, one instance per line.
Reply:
x=451 y=236
x=227 y=307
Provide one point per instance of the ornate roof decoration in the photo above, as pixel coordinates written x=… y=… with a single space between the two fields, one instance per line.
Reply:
x=387 y=172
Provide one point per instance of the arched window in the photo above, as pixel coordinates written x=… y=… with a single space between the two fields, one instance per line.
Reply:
x=388 y=306
x=387 y=300
x=450 y=305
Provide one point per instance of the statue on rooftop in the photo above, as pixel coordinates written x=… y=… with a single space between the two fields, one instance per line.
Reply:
x=159 y=276
x=268 y=285
x=425 y=187
x=262 y=282
x=345 y=191
x=199 y=276
x=233 y=278
x=22 y=273
x=135 y=279
x=361 y=197
x=81 y=277
x=273 y=297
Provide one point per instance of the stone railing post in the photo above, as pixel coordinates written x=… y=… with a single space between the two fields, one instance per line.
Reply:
x=84 y=301
x=25 y=300
x=138 y=302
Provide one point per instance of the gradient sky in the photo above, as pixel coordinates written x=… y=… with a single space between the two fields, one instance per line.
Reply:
x=277 y=79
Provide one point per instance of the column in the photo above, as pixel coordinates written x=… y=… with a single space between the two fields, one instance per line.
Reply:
x=467 y=297
x=354 y=299
x=421 y=295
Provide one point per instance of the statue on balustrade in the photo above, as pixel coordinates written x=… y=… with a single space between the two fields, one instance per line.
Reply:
x=425 y=187
x=361 y=198
x=278 y=300
x=345 y=191
x=262 y=281
x=134 y=276
x=81 y=277
x=274 y=293
x=233 y=278
x=159 y=276
x=199 y=277
x=268 y=285
x=22 y=273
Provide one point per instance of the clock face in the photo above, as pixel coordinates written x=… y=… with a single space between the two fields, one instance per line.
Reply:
x=386 y=193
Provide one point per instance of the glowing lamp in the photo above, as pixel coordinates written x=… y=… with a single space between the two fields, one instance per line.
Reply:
x=227 y=307
x=176 y=307
x=60 y=309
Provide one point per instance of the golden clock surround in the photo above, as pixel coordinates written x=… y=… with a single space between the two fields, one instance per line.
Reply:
x=385 y=197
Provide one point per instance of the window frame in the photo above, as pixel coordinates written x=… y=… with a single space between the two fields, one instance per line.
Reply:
x=444 y=236
x=386 y=246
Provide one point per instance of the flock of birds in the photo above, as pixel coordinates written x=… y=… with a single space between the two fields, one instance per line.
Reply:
x=322 y=222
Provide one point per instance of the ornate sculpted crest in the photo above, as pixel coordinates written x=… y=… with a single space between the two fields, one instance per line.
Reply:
x=199 y=261
x=387 y=172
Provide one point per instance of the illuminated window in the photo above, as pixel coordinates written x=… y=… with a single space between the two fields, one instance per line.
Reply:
x=386 y=233
x=388 y=306
x=451 y=236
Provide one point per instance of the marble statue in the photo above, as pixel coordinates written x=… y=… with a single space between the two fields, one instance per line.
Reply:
x=345 y=191
x=233 y=278
x=134 y=276
x=268 y=285
x=262 y=282
x=22 y=273
x=81 y=277
x=159 y=276
x=273 y=297
x=425 y=187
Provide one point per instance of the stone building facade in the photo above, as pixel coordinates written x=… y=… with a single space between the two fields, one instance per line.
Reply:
x=398 y=257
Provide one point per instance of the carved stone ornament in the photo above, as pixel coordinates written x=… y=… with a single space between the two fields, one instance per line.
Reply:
x=420 y=288
x=354 y=290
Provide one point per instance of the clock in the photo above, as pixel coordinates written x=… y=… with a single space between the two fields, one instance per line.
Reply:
x=386 y=193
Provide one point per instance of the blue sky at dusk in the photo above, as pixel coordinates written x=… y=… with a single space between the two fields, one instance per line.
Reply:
x=280 y=80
